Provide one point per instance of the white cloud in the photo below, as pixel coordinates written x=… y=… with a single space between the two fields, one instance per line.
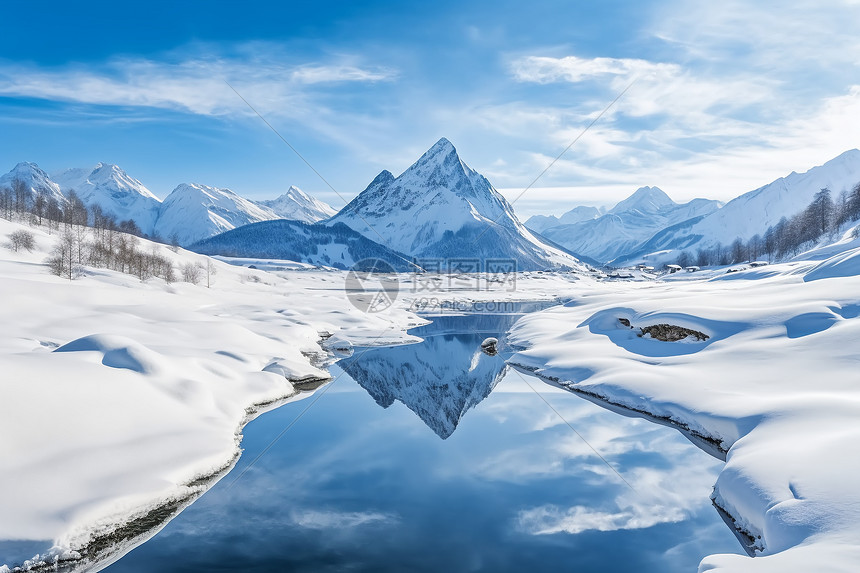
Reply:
x=316 y=519
x=718 y=125
x=768 y=35
x=315 y=74
x=542 y=69
x=661 y=496
x=195 y=85
x=734 y=163
x=550 y=519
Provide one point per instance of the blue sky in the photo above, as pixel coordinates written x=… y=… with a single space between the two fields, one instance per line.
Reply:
x=725 y=96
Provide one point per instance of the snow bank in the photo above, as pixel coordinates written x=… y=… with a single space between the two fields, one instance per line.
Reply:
x=775 y=385
x=845 y=264
x=119 y=396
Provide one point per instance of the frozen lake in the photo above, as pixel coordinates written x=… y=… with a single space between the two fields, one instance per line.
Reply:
x=434 y=457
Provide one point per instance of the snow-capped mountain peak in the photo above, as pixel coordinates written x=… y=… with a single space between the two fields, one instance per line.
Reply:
x=297 y=205
x=442 y=208
x=193 y=211
x=438 y=152
x=103 y=177
x=34 y=178
x=107 y=173
x=114 y=190
x=645 y=200
x=630 y=223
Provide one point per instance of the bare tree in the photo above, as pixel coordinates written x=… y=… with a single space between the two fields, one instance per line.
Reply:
x=61 y=262
x=131 y=227
x=22 y=240
x=211 y=271
x=191 y=273
x=821 y=212
x=737 y=251
x=40 y=204
x=6 y=203
x=54 y=213
x=80 y=232
x=77 y=213
x=755 y=247
x=21 y=196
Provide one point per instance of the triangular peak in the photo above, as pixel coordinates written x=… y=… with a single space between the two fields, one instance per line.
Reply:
x=644 y=197
x=439 y=151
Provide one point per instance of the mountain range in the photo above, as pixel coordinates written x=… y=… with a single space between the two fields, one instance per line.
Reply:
x=439 y=208
x=649 y=226
x=540 y=223
x=624 y=227
x=190 y=213
x=751 y=213
x=297 y=205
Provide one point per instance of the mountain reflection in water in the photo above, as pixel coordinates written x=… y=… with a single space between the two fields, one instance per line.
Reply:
x=441 y=378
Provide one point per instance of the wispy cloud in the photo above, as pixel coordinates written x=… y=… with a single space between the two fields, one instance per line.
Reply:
x=543 y=69
x=769 y=35
x=194 y=85
x=315 y=74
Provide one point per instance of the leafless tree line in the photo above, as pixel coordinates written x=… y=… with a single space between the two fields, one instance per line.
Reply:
x=822 y=218
x=91 y=237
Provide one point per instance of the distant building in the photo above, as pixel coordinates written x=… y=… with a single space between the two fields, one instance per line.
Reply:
x=673 y=268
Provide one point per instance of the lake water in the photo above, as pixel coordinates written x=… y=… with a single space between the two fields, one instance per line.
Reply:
x=434 y=457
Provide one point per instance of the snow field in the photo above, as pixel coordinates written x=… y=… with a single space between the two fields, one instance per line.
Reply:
x=776 y=385
x=117 y=394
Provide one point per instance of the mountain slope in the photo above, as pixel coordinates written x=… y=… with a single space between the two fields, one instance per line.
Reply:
x=753 y=212
x=193 y=212
x=36 y=181
x=335 y=246
x=114 y=191
x=297 y=205
x=627 y=225
x=440 y=208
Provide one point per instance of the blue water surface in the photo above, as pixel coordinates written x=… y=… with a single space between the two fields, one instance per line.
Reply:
x=435 y=457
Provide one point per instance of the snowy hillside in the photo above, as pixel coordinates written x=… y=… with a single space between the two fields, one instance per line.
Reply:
x=193 y=212
x=441 y=208
x=114 y=191
x=297 y=205
x=627 y=225
x=752 y=213
x=36 y=181
x=336 y=246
